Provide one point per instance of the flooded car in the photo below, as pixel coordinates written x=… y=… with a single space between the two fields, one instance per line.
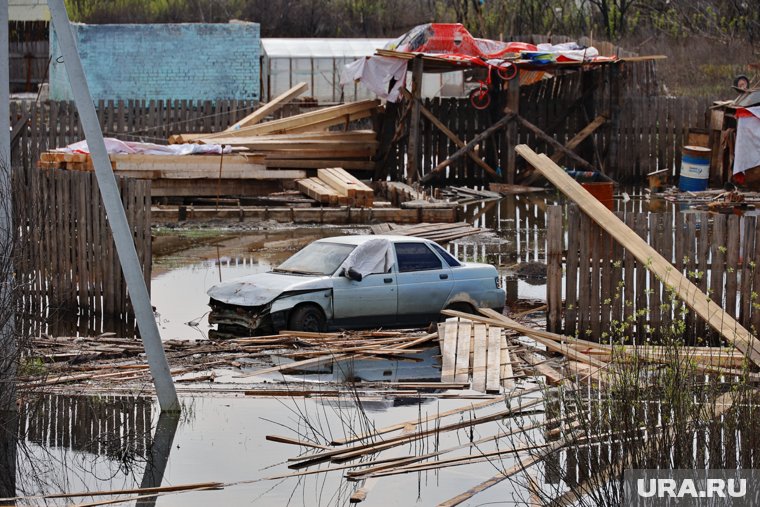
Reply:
x=354 y=282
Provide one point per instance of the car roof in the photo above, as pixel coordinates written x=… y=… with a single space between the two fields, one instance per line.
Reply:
x=363 y=238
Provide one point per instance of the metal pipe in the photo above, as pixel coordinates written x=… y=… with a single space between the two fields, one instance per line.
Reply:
x=117 y=219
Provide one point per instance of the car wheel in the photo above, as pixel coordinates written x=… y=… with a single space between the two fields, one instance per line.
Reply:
x=307 y=318
x=460 y=307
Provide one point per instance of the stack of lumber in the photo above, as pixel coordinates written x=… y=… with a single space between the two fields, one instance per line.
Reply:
x=335 y=186
x=302 y=141
x=178 y=167
x=434 y=232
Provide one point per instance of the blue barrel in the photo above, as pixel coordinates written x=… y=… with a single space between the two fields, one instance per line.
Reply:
x=695 y=168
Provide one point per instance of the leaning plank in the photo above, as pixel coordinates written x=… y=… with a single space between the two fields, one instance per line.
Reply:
x=272 y=106
x=689 y=293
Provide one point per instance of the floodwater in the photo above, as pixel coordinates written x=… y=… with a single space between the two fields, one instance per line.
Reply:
x=88 y=443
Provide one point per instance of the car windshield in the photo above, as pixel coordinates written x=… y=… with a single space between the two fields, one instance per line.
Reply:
x=319 y=258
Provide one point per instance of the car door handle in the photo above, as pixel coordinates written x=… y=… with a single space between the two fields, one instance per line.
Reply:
x=388 y=280
x=443 y=276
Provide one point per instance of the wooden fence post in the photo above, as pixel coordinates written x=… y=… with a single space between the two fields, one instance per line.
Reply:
x=554 y=246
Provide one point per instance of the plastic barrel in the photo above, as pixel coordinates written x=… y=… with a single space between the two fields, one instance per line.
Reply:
x=695 y=168
x=602 y=190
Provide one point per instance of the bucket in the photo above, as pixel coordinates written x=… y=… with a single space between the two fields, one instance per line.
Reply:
x=695 y=168
x=602 y=190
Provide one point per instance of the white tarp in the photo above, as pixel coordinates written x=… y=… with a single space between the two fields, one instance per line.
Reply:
x=382 y=75
x=117 y=147
x=570 y=50
x=747 y=152
x=372 y=256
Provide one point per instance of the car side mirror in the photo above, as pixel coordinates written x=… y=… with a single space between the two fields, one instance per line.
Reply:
x=354 y=275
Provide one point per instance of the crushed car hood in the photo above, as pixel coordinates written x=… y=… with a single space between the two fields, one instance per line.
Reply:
x=263 y=288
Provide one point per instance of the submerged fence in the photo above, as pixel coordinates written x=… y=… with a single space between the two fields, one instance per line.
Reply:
x=608 y=294
x=66 y=260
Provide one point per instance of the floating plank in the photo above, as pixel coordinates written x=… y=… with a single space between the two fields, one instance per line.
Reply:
x=270 y=107
x=464 y=334
x=480 y=357
x=496 y=349
x=448 y=342
x=689 y=293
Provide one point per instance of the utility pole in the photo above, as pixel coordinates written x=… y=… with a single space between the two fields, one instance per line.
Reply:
x=117 y=219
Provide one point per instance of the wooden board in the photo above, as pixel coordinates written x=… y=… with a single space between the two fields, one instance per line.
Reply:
x=462 y=369
x=480 y=359
x=494 y=360
x=314 y=119
x=697 y=300
x=447 y=335
x=269 y=108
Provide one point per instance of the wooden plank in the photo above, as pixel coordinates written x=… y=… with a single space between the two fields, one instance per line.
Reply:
x=571 y=282
x=685 y=289
x=270 y=107
x=447 y=337
x=464 y=334
x=480 y=358
x=580 y=137
x=321 y=118
x=732 y=264
x=498 y=362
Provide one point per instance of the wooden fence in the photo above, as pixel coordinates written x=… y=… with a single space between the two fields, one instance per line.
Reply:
x=608 y=292
x=56 y=124
x=28 y=54
x=105 y=426
x=66 y=260
x=649 y=134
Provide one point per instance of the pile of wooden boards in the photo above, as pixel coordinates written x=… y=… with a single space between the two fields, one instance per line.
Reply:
x=336 y=187
x=303 y=141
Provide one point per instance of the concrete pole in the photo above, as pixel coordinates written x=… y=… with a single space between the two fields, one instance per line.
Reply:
x=117 y=219
x=8 y=346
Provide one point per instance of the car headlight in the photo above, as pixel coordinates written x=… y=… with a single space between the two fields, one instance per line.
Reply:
x=498 y=282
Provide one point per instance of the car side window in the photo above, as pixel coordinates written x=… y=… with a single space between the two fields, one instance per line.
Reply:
x=416 y=257
x=450 y=260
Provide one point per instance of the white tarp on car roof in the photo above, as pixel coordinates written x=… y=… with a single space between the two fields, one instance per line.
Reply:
x=372 y=256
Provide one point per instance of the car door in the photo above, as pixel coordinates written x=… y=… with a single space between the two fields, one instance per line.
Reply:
x=371 y=301
x=424 y=282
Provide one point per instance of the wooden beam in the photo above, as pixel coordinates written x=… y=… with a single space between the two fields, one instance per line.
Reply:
x=451 y=135
x=580 y=136
x=553 y=143
x=269 y=108
x=468 y=147
x=513 y=105
x=320 y=118
x=413 y=146
x=689 y=293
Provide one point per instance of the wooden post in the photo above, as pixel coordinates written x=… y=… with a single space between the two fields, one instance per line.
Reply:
x=614 y=120
x=413 y=152
x=588 y=87
x=554 y=237
x=513 y=104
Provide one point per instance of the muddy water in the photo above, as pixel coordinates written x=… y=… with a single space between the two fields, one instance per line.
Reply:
x=105 y=443
x=79 y=444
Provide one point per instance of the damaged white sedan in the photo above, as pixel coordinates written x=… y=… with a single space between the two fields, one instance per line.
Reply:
x=353 y=282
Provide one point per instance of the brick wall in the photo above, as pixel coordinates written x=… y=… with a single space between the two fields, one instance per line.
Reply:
x=176 y=61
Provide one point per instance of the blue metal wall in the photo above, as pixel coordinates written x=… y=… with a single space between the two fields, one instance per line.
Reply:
x=171 y=61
